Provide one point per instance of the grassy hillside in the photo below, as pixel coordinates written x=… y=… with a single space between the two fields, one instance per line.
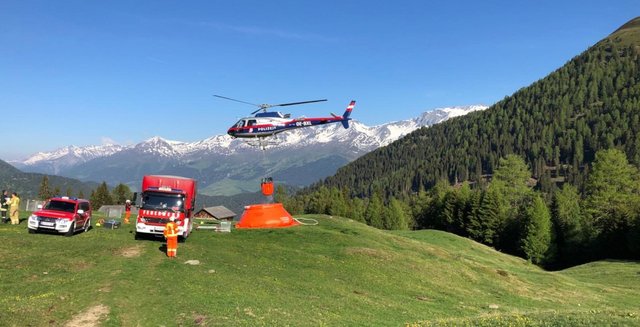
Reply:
x=336 y=273
x=628 y=34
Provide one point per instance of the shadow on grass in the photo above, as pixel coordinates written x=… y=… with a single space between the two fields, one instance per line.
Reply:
x=151 y=238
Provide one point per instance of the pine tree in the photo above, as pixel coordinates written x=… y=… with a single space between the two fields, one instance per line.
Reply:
x=536 y=236
x=120 y=194
x=485 y=227
x=420 y=204
x=44 y=192
x=101 y=196
x=511 y=185
x=69 y=191
x=472 y=219
x=511 y=180
x=433 y=214
x=375 y=210
x=280 y=195
x=633 y=237
x=319 y=202
x=395 y=216
x=612 y=191
x=294 y=206
x=569 y=225
x=357 y=210
x=449 y=211
x=463 y=209
x=94 y=200
x=337 y=204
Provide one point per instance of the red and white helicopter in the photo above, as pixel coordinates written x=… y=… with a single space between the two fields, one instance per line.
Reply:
x=269 y=123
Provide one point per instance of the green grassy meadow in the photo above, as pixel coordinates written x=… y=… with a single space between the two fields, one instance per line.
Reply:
x=338 y=273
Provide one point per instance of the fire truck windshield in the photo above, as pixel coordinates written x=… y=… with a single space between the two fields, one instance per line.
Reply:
x=162 y=201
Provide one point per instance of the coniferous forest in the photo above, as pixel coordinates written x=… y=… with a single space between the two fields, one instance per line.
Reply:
x=549 y=173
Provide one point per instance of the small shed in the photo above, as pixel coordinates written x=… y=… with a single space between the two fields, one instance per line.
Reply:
x=220 y=213
x=116 y=210
x=112 y=211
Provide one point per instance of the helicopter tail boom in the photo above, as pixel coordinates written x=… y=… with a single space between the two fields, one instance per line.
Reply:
x=347 y=113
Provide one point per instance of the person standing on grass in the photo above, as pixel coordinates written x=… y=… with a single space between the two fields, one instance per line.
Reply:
x=127 y=211
x=171 y=234
x=4 y=206
x=14 y=208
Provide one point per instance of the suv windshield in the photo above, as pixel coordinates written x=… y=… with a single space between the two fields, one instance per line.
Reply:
x=60 y=206
x=160 y=201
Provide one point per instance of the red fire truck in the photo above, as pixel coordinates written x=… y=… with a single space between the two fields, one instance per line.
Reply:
x=164 y=197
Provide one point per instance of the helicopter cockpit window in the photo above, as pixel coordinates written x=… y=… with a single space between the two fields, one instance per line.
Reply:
x=240 y=123
x=251 y=122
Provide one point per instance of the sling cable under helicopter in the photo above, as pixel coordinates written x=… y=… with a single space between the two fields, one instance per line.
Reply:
x=263 y=125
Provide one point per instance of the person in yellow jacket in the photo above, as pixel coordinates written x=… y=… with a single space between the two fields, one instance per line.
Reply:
x=171 y=234
x=14 y=208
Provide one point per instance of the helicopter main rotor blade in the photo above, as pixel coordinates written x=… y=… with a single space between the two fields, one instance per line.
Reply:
x=296 y=103
x=236 y=100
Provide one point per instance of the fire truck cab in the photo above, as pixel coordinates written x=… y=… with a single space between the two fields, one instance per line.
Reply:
x=163 y=197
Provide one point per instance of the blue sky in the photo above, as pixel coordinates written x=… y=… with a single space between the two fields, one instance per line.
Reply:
x=88 y=72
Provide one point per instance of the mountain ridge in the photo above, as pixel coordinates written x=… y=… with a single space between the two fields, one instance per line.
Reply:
x=557 y=124
x=224 y=164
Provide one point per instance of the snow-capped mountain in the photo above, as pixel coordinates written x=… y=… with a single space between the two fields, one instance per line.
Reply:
x=220 y=161
x=56 y=161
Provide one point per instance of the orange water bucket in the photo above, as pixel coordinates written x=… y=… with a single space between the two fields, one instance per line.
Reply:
x=272 y=215
x=267 y=188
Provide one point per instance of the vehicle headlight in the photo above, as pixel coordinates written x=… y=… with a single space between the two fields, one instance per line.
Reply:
x=63 y=222
x=34 y=217
x=142 y=220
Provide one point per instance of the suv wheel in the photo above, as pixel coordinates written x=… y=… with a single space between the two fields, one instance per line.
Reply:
x=32 y=231
x=72 y=229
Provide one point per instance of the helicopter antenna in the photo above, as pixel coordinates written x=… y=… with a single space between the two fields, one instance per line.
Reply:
x=265 y=106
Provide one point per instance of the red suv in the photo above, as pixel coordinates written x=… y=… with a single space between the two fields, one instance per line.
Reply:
x=61 y=214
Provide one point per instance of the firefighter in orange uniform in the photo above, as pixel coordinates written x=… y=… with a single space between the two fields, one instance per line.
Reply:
x=127 y=211
x=171 y=234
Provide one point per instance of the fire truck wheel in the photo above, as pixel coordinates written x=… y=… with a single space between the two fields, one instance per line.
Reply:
x=32 y=231
x=137 y=236
x=71 y=229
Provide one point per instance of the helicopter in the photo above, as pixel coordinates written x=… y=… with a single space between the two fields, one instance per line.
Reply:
x=269 y=123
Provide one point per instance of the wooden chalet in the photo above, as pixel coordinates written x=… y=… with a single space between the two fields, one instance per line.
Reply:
x=219 y=213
